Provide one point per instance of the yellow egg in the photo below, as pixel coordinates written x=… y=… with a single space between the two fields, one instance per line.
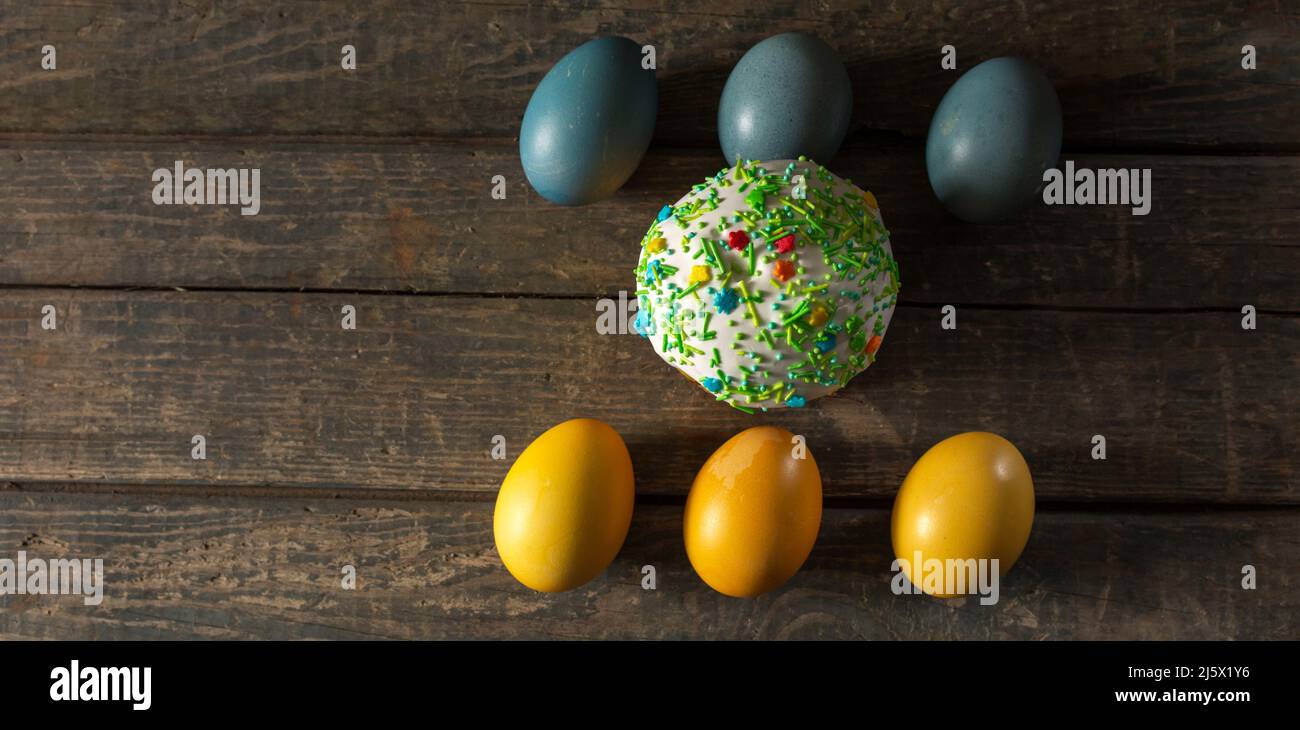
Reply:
x=564 y=508
x=969 y=496
x=753 y=512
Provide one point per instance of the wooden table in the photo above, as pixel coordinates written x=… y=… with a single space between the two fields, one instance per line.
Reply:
x=371 y=447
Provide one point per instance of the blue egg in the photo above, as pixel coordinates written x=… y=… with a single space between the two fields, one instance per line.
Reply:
x=788 y=96
x=589 y=122
x=994 y=134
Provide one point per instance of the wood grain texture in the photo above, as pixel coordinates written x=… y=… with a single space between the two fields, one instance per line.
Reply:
x=477 y=317
x=1223 y=231
x=1164 y=73
x=1194 y=408
x=181 y=568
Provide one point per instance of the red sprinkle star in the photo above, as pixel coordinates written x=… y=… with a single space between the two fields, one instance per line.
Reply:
x=738 y=240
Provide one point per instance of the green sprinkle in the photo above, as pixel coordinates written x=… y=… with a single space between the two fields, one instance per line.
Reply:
x=798 y=313
x=749 y=304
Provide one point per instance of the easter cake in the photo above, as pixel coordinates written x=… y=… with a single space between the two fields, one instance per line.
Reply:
x=770 y=284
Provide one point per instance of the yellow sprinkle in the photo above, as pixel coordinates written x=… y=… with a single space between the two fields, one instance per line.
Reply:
x=871 y=201
x=700 y=274
x=817 y=317
x=656 y=245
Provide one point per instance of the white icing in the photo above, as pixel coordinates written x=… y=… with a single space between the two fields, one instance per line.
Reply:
x=854 y=229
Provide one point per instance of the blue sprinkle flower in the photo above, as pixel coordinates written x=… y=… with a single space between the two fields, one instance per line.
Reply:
x=725 y=300
x=653 y=272
x=665 y=213
x=825 y=344
x=713 y=385
x=644 y=326
x=796 y=401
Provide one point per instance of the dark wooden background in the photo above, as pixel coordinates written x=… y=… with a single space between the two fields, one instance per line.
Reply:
x=477 y=317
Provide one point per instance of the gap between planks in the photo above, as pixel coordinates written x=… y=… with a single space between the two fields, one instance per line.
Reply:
x=857 y=140
x=914 y=304
x=204 y=490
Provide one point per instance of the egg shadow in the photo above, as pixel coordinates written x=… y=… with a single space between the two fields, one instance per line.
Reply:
x=679 y=454
x=655 y=538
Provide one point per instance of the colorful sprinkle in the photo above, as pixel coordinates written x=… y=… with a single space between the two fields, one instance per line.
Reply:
x=665 y=213
x=700 y=274
x=749 y=303
x=783 y=270
x=725 y=300
x=737 y=240
x=653 y=271
x=784 y=244
x=644 y=325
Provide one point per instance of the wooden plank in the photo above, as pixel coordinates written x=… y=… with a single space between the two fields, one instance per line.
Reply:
x=185 y=568
x=1194 y=409
x=421 y=217
x=1162 y=73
